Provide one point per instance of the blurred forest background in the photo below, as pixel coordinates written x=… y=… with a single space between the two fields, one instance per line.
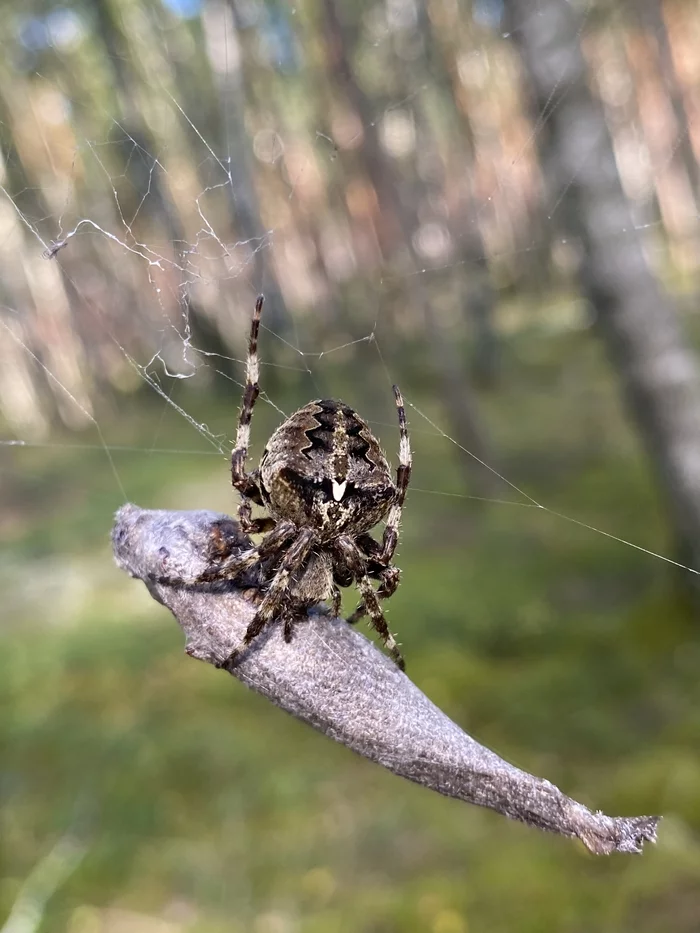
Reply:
x=494 y=203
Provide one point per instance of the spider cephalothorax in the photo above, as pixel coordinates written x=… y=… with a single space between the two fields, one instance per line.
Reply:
x=325 y=483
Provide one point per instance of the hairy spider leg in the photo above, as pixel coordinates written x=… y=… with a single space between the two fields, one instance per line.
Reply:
x=276 y=597
x=233 y=565
x=403 y=477
x=389 y=577
x=288 y=627
x=370 y=601
x=255 y=526
x=337 y=600
x=244 y=482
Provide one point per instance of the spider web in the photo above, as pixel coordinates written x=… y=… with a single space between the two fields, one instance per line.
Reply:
x=170 y=275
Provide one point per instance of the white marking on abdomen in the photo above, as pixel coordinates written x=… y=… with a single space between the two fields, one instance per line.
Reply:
x=339 y=489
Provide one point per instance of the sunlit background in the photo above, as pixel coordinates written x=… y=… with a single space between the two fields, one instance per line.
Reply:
x=494 y=204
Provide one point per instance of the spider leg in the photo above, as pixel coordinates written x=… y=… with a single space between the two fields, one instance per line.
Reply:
x=233 y=565
x=403 y=477
x=255 y=526
x=388 y=577
x=356 y=563
x=244 y=482
x=380 y=555
x=376 y=566
x=369 y=547
x=276 y=597
x=388 y=584
x=337 y=599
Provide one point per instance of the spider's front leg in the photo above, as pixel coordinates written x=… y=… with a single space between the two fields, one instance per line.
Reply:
x=247 y=484
x=250 y=525
x=342 y=577
x=276 y=601
x=236 y=563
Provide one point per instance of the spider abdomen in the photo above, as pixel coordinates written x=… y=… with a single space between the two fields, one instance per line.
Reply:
x=323 y=468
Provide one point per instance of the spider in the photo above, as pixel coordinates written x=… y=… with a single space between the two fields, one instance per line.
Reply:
x=325 y=483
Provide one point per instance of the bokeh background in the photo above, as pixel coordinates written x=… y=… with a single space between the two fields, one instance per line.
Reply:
x=494 y=204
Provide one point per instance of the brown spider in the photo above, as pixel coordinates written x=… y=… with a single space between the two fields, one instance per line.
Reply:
x=325 y=483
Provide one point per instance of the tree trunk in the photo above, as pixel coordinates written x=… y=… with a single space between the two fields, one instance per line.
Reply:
x=651 y=16
x=637 y=320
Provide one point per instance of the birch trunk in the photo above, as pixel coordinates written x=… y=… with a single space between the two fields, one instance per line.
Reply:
x=637 y=320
